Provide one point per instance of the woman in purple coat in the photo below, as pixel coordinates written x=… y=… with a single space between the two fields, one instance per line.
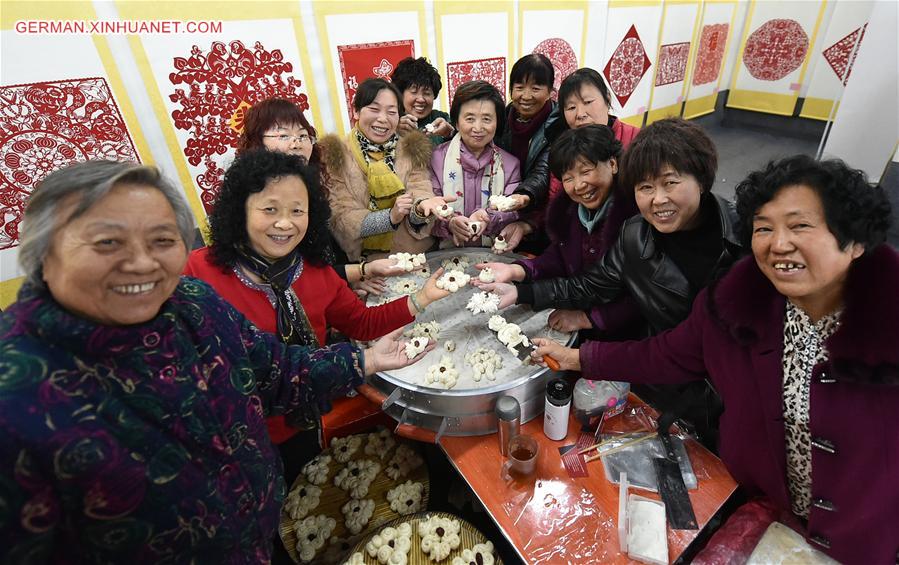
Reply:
x=472 y=168
x=801 y=343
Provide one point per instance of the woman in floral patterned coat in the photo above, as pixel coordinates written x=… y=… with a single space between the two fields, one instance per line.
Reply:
x=132 y=401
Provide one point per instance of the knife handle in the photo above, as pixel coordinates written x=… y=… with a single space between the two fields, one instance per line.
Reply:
x=552 y=363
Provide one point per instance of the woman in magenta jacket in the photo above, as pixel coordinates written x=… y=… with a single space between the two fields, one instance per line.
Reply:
x=801 y=342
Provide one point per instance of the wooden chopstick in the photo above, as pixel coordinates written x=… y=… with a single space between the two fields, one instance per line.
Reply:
x=621 y=447
x=610 y=440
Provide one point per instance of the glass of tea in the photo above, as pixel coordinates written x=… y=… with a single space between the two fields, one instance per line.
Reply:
x=522 y=459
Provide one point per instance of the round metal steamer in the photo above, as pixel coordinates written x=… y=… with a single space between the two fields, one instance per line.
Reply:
x=427 y=413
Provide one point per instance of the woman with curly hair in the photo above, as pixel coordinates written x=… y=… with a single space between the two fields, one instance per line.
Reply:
x=277 y=124
x=419 y=83
x=270 y=259
x=800 y=341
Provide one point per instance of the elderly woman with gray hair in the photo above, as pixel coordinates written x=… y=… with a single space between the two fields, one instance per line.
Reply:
x=132 y=400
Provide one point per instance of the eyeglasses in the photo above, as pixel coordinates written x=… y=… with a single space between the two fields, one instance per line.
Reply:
x=284 y=138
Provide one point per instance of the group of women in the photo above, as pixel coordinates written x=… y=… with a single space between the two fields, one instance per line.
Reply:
x=139 y=408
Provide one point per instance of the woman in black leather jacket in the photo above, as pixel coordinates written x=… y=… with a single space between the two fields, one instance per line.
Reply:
x=683 y=239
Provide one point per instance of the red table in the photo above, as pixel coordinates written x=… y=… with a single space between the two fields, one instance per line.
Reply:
x=553 y=518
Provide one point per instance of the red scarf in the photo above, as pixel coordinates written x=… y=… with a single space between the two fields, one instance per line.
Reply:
x=522 y=132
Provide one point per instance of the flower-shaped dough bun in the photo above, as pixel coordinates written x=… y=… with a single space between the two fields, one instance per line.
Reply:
x=408 y=261
x=355 y=559
x=415 y=346
x=391 y=545
x=301 y=500
x=511 y=336
x=483 y=302
x=439 y=536
x=502 y=202
x=404 y=286
x=496 y=323
x=480 y=554
x=442 y=375
x=486 y=275
x=405 y=498
x=500 y=243
x=475 y=227
x=312 y=532
x=449 y=345
x=424 y=272
x=404 y=461
x=452 y=281
x=338 y=549
x=484 y=363
x=344 y=448
x=379 y=443
x=455 y=263
x=444 y=211
x=316 y=471
x=357 y=514
x=357 y=476
x=424 y=329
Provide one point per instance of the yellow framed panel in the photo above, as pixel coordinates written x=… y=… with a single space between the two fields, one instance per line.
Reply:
x=706 y=104
x=818 y=108
x=454 y=8
x=769 y=102
x=673 y=110
x=14 y=11
x=550 y=6
x=325 y=8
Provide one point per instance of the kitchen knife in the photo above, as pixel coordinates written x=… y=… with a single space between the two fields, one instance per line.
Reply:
x=671 y=482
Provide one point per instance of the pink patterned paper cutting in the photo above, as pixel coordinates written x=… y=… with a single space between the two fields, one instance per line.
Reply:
x=493 y=70
x=710 y=54
x=627 y=66
x=222 y=84
x=672 y=63
x=837 y=55
x=45 y=126
x=563 y=58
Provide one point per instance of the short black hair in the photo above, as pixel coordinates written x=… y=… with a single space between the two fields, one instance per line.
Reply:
x=592 y=143
x=680 y=144
x=584 y=76
x=855 y=210
x=369 y=89
x=416 y=72
x=248 y=174
x=536 y=67
x=479 y=90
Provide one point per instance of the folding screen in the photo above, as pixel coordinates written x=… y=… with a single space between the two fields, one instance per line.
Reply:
x=460 y=58
x=677 y=38
x=833 y=57
x=363 y=40
x=774 y=55
x=62 y=102
x=713 y=38
x=554 y=29
x=632 y=42
x=201 y=85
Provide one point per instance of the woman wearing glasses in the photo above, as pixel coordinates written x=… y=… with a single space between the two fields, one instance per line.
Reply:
x=280 y=125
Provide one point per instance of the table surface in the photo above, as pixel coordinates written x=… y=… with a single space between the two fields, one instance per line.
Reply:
x=551 y=517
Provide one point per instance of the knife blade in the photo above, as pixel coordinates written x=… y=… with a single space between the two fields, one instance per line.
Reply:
x=524 y=355
x=671 y=482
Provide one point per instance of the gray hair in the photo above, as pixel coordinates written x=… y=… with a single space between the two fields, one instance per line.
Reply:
x=92 y=180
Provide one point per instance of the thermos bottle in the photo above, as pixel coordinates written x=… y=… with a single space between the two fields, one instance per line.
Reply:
x=555 y=413
x=508 y=414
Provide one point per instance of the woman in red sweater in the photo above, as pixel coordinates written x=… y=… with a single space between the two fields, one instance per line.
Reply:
x=270 y=259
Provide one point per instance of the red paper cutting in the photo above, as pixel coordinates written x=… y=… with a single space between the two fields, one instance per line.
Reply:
x=491 y=70
x=563 y=59
x=672 y=63
x=710 y=54
x=837 y=55
x=627 y=66
x=45 y=126
x=370 y=60
x=223 y=84
x=775 y=49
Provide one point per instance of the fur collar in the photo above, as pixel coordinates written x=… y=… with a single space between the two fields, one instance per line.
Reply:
x=866 y=346
x=414 y=146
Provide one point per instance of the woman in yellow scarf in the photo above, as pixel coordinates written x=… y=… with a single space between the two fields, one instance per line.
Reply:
x=381 y=195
